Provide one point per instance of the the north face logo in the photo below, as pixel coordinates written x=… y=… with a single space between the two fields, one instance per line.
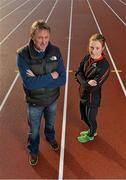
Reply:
x=53 y=58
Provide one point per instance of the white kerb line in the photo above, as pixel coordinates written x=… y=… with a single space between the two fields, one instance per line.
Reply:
x=21 y=22
x=51 y=10
x=13 y=11
x=114 y=13
x=61 y=163
x=112 y=61
x=14 y=81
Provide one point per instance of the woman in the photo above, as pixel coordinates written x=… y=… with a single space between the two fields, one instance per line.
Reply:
x=91 y=74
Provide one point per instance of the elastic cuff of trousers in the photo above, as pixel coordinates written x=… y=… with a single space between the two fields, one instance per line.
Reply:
x=32 y=152
x=91 y=134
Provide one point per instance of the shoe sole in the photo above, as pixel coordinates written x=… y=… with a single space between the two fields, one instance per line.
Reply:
x=84 y=141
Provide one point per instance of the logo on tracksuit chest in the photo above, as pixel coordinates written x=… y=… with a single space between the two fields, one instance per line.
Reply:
x=94 y=64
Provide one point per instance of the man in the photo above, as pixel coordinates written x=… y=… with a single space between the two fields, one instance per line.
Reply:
x=42 y=70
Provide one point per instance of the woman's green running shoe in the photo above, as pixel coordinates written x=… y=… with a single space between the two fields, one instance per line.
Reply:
x=83 y=133
x=84 y=139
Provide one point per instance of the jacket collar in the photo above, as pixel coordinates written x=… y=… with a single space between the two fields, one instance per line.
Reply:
x=91 y=60
x=33 y=53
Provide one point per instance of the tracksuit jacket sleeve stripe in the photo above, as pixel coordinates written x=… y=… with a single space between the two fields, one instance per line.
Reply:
x=101 y=77
x=104 y=76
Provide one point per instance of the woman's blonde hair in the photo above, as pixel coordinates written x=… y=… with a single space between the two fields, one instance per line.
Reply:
x=98 y=37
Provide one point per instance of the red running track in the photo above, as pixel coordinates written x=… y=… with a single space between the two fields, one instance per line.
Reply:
x=103 y=158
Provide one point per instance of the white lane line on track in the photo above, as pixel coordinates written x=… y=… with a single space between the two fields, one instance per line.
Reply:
x=112 y=61
x=8 y=93
x=6 y=4
x=114 y=12
x=13 y=11
x=51 y=10
x=61 y=162
x=6 y=37
x=14 y=81
x=122 y=2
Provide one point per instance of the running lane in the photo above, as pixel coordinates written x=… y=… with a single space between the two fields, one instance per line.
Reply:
x=115 y=33
x=105 y=156
x=17 y=39
x=13 y=123
x=118 y=7
x=8 y=9
x=6 y=3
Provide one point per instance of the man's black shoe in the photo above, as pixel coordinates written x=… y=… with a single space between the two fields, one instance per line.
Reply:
x=55 y=146
x=33 y=159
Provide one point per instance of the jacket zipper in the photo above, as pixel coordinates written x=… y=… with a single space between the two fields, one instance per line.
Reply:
x=90 y=97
